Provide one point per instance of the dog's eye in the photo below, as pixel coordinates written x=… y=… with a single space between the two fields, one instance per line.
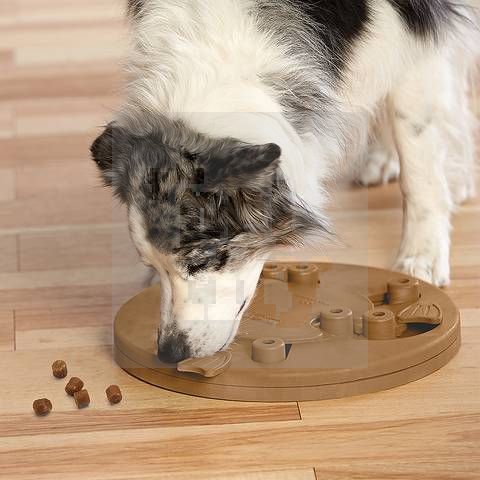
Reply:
x=199 y=177
x=192 y=157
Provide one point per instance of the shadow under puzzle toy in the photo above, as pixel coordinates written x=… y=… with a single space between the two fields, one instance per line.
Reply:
x=313 y=331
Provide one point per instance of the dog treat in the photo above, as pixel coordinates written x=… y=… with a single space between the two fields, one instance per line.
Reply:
x=73 y=385
x=59 y=369
x=82 y=398
x=208 y=367
x=42 y=407
x=114 y=394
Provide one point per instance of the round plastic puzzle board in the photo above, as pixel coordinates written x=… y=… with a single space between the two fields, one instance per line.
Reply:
x=313 y=331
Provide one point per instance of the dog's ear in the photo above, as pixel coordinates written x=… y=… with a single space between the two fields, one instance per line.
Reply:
x=102 y=149
x=108 y=148
x=231 y=164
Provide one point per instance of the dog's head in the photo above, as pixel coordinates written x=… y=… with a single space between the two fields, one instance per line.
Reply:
x=204 y=213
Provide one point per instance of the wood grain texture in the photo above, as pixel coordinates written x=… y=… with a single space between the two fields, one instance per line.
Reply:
x=66 y=264
x=8 y=253
x=6 y=120
x=73 y=296
x=44 y=150
x=307 y=474
x=64 y=116
x=7 y=331
x=246 y=473
x=52 y=82
x=89 y=247
x=7 y=184
x=65 y=337
x=57 y=317
x=143 y=406
x=67 y=177
x=385 y=446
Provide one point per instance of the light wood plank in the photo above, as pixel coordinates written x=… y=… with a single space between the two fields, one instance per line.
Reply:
x=6 y=122
x=7 y=184
x=403 y=471
x=79 y=249
x=64 y=297
x=304 y=474
x=89 y=207
x=76 y=277
x=246 y=473
x=8 y=13
x=61 y=116
x=8 y=254
x=7 y=331
x=99 y=42
x=143 y=406
x=82 y=35
x=66 y=337
x=438 y=446
x=99 y=80
x=70 y=177
x=71 y=316
x=299 y=474
x=350 y=196
x=40 y=12
x=39 y=150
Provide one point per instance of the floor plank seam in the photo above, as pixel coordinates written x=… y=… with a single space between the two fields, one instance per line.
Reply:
x=61 y=228
x=299 y=410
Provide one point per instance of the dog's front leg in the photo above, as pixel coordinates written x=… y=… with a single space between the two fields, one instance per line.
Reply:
x=418 y=109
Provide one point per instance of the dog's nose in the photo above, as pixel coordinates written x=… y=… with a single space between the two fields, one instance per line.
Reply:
x=174 y=349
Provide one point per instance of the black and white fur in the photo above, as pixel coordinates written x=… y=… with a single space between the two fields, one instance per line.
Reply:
x=238 y=111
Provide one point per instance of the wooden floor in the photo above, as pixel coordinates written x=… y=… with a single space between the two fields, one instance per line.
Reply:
x=66 y=263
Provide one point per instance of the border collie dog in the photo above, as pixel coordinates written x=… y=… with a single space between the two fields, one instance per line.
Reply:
x=236 y=114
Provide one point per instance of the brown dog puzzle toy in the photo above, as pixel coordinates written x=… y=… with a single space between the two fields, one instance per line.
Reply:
x=313 y=331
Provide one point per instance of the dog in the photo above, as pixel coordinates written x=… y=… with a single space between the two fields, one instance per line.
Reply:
x=238 y=112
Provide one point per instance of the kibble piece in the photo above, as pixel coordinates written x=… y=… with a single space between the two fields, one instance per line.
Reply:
x=114 y=394
x=59 y=368
x=42 y=406
x=82 y=398
x=73 y=385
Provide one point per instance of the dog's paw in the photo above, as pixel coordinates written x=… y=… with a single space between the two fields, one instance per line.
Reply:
x=434 y=269
x=380 y=168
